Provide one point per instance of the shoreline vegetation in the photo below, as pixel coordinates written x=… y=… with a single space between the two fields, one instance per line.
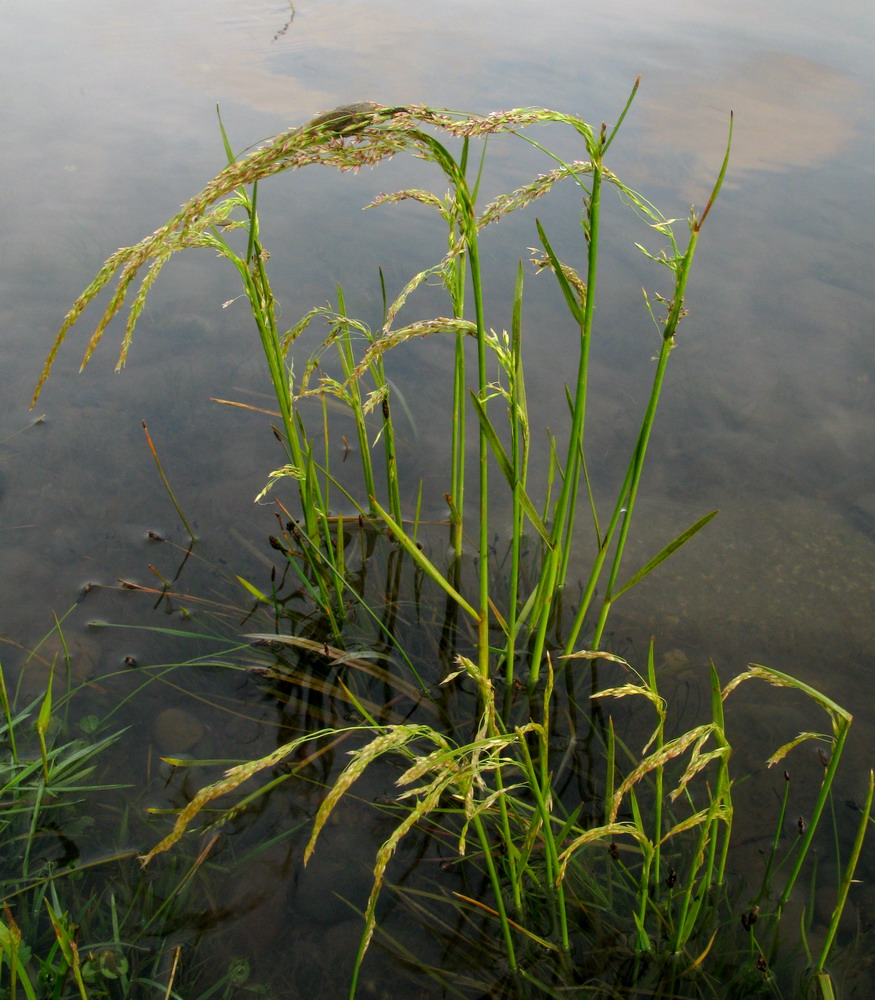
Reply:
x=580 y=857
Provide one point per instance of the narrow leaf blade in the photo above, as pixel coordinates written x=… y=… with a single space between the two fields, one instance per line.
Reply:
x=663 y=554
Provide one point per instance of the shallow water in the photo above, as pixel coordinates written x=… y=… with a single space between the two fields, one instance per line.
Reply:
x=769 y=412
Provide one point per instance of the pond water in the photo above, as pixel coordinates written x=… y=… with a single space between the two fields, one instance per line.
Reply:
x=109 y=124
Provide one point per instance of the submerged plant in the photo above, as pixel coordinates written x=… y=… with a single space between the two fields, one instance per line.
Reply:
x=639 y=860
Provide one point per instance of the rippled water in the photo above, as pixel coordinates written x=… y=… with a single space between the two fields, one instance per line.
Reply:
x=109 y=124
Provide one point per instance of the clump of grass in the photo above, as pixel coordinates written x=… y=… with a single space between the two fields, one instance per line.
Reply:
x=48 y=775
x=629 y=893
x=362 y=135
x=76 y=920
x=644 y=861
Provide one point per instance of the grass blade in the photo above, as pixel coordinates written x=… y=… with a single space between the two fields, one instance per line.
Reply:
x=422 y=560
x=663 y=554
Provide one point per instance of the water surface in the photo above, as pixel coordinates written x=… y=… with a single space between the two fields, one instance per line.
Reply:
x=109 y=125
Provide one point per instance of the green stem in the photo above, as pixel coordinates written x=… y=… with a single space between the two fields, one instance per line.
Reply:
x=555 y=557
x=347 y=361
x=555 y=888
x=626 y=500
x=483 y=453
x=497 y=893
x=848 y=877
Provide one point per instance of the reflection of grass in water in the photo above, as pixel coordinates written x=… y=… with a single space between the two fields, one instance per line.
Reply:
x=635 y=867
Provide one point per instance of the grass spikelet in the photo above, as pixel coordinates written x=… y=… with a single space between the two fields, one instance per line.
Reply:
x=674 y=748
x=413 y=194
x=504 y=121
x=285 y=472
x=475 y=809
x=429 y=801
x=394 y=738
x=601 y=833
x=595 y=654
x=698 y=762
x=386 y=342
x=782 y=751
x=525 y=195
x=103 y=278
x=375 y=399
x=439 y=269
x=234 y=777
x=629 y=690
x=840 y=717
x=711 y=812
x=424 y=328
x=540 y=261
x=441 y=759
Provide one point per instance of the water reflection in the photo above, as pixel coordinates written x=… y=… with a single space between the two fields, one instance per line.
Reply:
x=790 y=113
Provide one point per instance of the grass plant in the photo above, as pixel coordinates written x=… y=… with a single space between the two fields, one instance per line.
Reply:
x=78 y=916
x=44 y=791
x=361 y=135
x=623 y=890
